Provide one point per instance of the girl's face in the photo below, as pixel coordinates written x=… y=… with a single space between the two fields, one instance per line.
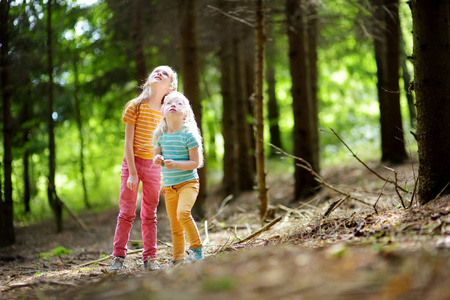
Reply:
x=162 y=76
x=174 y=107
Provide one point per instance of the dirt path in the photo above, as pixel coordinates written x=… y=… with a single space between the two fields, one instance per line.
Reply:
x=355 y=253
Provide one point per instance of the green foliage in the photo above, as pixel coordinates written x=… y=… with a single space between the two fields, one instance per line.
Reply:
x=94 y=41
x=224 y=283
x=58 y=251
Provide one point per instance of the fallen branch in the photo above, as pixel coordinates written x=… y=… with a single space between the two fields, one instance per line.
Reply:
x=265 y=228
x=334 y=205
x=375 y=204
x=445 y=187
x=35 y=284
x=220 y=249
x=106 y=258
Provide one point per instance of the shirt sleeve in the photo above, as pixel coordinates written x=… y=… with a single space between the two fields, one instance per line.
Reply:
x=191 y=140
x=130 y=115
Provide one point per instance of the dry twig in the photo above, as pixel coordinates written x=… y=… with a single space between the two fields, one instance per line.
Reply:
x=230 y=16
x=365 y=165
x=265 y=228
x=317 y=177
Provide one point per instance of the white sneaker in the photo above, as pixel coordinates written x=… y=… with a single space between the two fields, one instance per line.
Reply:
x=151 y=265
x=117 y=264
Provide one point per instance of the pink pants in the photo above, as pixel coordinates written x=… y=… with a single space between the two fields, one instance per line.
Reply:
x=151 y=183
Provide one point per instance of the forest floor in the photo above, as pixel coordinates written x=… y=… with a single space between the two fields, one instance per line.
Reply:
x=354 y=251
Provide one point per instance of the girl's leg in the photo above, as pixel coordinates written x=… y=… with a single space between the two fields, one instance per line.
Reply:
x=187 y=195
x=171 y=198
x=127 y=205
x=151 y=183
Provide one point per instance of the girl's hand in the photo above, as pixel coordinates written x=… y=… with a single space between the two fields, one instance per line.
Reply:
x=158 y=160
x=170 y=164
x=132 y=182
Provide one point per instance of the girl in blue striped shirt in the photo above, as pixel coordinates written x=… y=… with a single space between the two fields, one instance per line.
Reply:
x=178 y=149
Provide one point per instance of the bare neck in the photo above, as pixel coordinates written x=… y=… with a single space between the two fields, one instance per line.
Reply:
x=154 y=101
x=174 y=125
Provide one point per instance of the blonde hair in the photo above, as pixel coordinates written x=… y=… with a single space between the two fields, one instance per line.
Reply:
x=147 y=90
x=189 y=122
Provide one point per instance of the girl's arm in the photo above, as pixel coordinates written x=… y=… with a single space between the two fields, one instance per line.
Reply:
x=132 y=182
x=191 y=164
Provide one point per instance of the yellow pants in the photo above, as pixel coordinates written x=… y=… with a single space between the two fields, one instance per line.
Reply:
x=179 y=202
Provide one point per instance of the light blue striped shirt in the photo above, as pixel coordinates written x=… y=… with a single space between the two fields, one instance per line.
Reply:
x=176 y=146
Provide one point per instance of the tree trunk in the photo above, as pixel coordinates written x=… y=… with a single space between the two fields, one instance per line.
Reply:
x=230 y=175
x=406 y=86
x=191 y=81
x=244 y=155
x=79 y=121
x=259 y=107
x=7 y=234
x=313 y=33
x=301 y=94
x=250 y=82
x=51 y=190
x=25 y=158
x=272 y=103
x=138 y=39
x=387 y=55
x=431 y=38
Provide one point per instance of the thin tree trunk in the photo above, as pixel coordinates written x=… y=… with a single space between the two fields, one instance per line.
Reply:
x=259 y=107
x=387 y=55
x=301 y=94
x=431 y=36
x=273 y=110
x=250 y=81
x=25 y=128
x=313 y=32
x=138 y=38
x=80 y=134
x=26 y=174
x=51 y=190
x=191 y=81
x=230 y=175
x=272 y=103
x=7 y=234
x=244 y=156
x=406 y=86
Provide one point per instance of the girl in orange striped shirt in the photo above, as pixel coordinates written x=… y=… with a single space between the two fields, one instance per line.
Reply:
x=141 y=116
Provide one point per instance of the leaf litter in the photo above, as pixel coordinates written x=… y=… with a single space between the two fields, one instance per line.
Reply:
x=328 y=247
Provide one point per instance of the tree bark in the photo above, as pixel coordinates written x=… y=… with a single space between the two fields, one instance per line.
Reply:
x=302 y=96
x=229 y=130
x=7 y=234
x=272 y=103
x=431 y=38
x=387 y=55
x=313 y=33
x=51 y=190
x=79 y=121
x=25 y=116
x=191 y=81
x=244 y=155
x=409 y=95
x=259 y=107
x=138 y=39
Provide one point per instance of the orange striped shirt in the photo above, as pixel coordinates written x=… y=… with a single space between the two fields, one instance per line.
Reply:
x=145 y=121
